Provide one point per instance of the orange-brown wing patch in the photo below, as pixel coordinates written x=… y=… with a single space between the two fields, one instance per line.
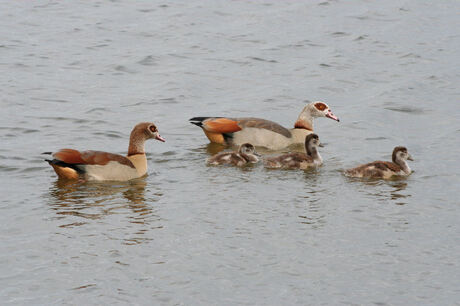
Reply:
x=71 y=156
x=221 y=125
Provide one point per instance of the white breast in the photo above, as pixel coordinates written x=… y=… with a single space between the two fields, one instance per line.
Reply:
x=112 y=171
x=262 y=138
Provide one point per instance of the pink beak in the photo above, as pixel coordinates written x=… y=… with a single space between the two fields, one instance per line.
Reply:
x=332 y=116
x=158 y=137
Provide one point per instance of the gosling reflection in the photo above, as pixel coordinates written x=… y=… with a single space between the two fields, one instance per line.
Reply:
x=99 y=200
x=397 y=193
x=315 y=215
x=385 y=191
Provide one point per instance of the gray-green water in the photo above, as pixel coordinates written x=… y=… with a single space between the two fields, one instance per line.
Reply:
x=81 y=74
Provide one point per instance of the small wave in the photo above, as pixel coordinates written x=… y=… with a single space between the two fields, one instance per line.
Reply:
x=262 y=59
x=339 y=34
x=406 y=109
x=122 y=68
x=149 y=60
x=7 y=168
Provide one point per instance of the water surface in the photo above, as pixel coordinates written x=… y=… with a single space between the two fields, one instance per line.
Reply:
x=82 y=75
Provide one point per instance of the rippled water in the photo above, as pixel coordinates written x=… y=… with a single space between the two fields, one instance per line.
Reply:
x=82 y=74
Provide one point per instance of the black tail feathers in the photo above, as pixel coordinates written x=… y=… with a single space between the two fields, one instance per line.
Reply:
x=198 y=121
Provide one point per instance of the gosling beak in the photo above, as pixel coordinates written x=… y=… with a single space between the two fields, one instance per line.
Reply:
x=321 y=145
x=410 y=157
x=332 y=116
x=257 y=154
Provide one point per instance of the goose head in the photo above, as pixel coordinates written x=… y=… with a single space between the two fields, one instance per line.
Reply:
x=314 y=110
x=320 y=109
x=148 y=130
x=400 y=154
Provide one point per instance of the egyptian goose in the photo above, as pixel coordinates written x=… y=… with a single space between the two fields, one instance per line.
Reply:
x=97 y=165
x=383 y=169
x=261 y=132
x=246 y=155
x=298 y=160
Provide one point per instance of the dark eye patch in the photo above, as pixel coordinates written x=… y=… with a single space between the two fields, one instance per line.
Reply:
x=153 y=128
x=320 y=106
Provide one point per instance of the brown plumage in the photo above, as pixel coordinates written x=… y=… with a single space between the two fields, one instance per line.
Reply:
x=246 y=155
x=310 y=158
x=384 y=169
x=99 y=165
x=71 y=156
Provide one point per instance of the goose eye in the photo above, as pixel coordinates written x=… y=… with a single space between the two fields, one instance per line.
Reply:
x=320 y=106
x=153 y=128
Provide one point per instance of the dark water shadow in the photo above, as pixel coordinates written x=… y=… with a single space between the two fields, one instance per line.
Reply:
x=384 y=191
x=77 y=203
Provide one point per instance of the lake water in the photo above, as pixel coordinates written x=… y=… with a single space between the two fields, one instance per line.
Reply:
x=82 y=74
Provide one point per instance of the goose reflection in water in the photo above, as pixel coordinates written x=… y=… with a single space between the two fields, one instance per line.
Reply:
x=98 y=200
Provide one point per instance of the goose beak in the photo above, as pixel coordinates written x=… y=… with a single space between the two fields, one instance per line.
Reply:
x=332 y=116
x=158 y=137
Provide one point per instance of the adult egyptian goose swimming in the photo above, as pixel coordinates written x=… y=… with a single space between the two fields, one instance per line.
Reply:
x=384 y=169
x=246 y=155
x=298 y=160
x=261 y=132
x=97 y=165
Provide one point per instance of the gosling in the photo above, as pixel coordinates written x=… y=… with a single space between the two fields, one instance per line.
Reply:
x=246 y=155
x=298 y=160
x=384 y=169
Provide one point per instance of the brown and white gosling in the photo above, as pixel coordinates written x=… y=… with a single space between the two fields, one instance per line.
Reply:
x=298 y=160
x=383 y=169
x=100 y=166
x=246 y=155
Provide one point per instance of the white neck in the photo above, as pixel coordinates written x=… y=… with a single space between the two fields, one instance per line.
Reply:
x=315 y=155
x=298 y=135
x=404 y=166
x=304 y=121
x=252 y=158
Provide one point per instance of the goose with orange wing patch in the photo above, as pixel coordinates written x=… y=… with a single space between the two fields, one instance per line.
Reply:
x=261 y=132
x=98 y=165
